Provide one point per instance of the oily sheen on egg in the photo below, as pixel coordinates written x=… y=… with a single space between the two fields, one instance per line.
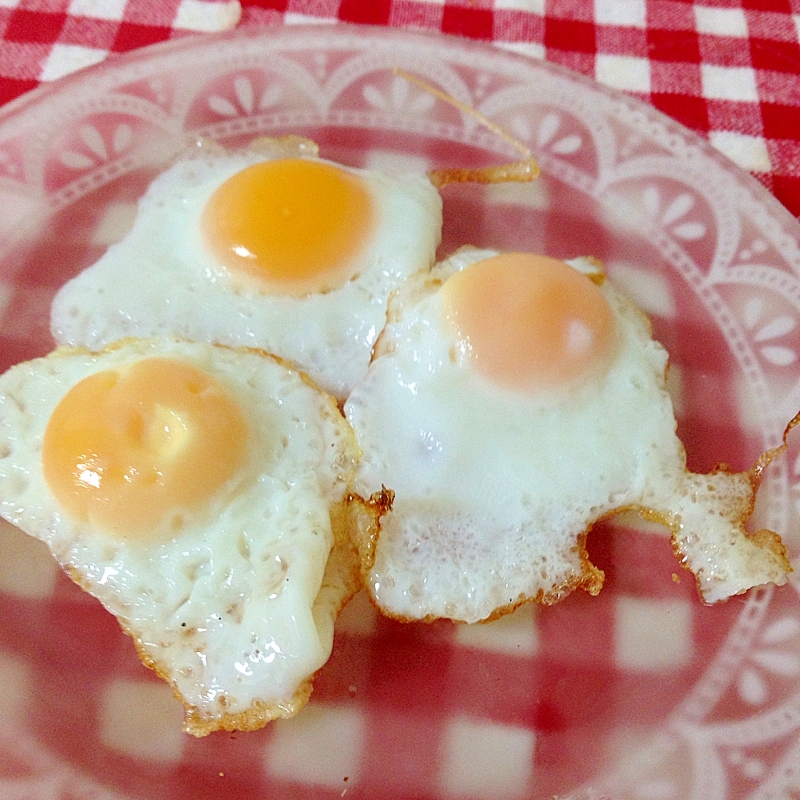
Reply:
x=529 y=322
x=293 y=255
x=293 y=225
x=200 y=493
x=501 y=458
x=131 y=451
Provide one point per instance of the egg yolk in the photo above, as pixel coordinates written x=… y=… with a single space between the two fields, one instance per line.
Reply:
x=132 y=450
x=528 y=322
x=294 y=224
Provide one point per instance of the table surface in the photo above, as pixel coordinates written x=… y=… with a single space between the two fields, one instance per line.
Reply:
x=727 y=69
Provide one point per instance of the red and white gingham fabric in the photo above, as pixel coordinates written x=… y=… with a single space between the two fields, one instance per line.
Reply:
x=728 y=69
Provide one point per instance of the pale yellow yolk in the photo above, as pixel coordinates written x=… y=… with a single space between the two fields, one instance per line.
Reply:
x=529 y=322
x=294 y=224
x=132 y=450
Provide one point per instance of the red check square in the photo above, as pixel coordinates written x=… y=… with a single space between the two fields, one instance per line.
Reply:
x=32 y=26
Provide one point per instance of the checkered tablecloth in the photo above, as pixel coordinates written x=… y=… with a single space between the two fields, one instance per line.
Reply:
x=431 y=711
x=728 y=69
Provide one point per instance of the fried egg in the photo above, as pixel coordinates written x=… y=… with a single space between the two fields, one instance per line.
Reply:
x=202 y=494
x=513 y=401
x=269 y=247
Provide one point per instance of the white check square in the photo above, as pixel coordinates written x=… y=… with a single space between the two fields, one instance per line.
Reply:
x=530 y=6
x=652 y=634
x=530 y=49
x=486 y=760
x=115 y=223
x=748 y=152
x=514 y=634
x=27 y=569
x=17 y=694
x=98 y=9
x=721 y=21
x=627 y=73
x=195 y=15
x=143 y=720
x=625 y=13
x=321 y=746
x=67 y=58
x=651 y=291
x=295 y=18
x=728 y=83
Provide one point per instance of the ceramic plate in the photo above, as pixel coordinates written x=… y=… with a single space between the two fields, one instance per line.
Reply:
x=642 y=692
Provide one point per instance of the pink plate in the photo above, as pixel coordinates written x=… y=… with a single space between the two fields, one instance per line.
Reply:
x=639 y=693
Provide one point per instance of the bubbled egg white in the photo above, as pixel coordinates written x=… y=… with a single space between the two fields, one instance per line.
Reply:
x=232 y=598
x=166 y=276
x=498 y=478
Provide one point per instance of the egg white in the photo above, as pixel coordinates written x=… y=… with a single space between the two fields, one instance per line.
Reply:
x=237 y=610
x=161 y=280
x=496 y=489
